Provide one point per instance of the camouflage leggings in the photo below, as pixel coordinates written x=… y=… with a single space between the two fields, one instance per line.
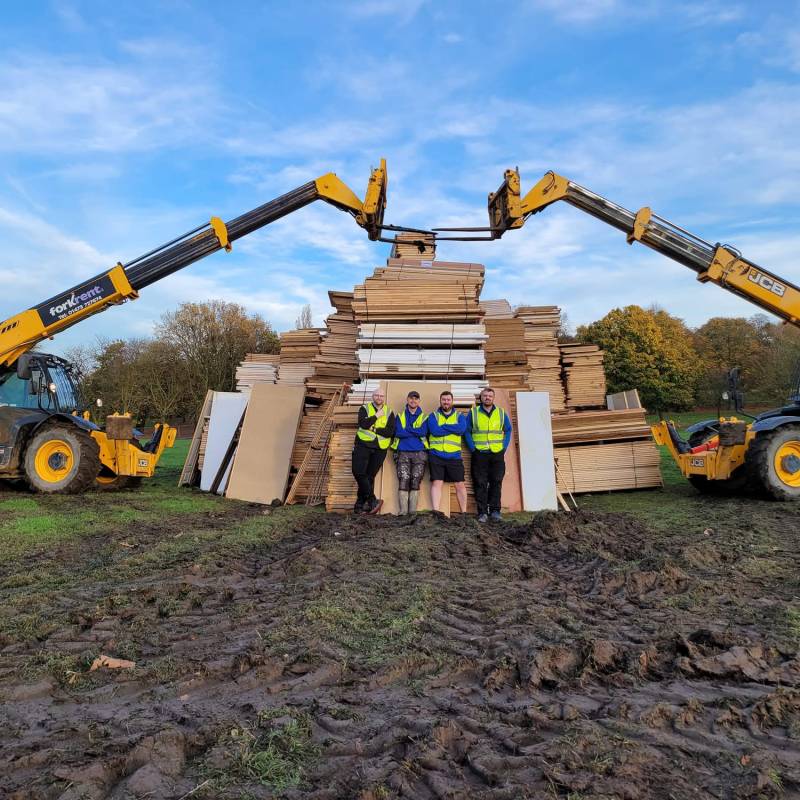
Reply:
x=410 y=469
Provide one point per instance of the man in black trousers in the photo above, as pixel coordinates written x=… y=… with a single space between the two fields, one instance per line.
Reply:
x=376 y=423
x=488 y=434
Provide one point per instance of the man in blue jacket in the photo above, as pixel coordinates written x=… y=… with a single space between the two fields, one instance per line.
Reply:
x=445 y=429
x=411 y=453
x=488 y=434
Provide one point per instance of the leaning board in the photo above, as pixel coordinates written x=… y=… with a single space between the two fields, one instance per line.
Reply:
x=536 y=451
x=386 y=481
x=261 y=466
x=226 y=411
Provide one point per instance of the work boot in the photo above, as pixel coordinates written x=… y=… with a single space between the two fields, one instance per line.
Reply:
x=413 y=499
x=358 y=507
x=402 y=502
x=496 y=516
x=373 y=507
x=482 y=518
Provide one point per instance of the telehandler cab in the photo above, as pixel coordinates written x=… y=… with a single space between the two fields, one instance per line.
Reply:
x=46 y=438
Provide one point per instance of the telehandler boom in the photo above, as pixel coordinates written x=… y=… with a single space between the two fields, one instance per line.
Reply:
x=722 y=454
x=45 y=439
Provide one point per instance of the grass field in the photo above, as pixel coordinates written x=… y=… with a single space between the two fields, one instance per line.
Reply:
x=289 y=652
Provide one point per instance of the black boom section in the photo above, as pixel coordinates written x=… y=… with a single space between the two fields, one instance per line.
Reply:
x=195 y=245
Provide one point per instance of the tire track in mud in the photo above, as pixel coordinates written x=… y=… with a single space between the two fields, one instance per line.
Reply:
x=551 y=660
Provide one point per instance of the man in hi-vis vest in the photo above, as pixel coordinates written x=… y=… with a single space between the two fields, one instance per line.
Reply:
x=411 y=453
x=488 y=434
x=445 y=429
x=376 y=423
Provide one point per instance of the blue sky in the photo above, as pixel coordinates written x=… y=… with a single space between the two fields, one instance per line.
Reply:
x=122 y=126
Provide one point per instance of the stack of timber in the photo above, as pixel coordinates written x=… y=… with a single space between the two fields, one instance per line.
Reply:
x=421 y=362
x=497 y=309
x=583 y=374
x=336 y=362
x=543 y=355
x=428 y=335
x=256 y=368
x=298 y=348
x=464 y=391
x=342 y=489
x=506 y=355
x=412 y=246
x=604 y=451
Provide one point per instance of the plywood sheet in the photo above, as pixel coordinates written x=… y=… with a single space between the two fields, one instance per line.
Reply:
x=226 y=411
x=261 y=467
x=396 y=393
x=536 y=451
x=511 y=499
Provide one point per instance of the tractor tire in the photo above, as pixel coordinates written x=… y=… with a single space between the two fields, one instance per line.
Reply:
x=736 y=484
x=774 y=460
x=61 y=459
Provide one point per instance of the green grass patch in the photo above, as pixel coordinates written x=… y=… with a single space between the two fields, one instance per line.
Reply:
x=20 y=504
x=191 y=503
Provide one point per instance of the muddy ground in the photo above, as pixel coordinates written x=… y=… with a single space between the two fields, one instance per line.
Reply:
x=298 y=654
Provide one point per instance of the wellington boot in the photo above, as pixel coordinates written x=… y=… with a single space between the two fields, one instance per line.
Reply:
x=402 y=502
x=413 y=499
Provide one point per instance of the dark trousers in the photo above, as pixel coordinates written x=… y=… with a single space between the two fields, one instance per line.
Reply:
x=367 y=462
x=488 y=470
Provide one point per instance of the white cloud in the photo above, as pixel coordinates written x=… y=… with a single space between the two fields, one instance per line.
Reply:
x=403 y=11
x=452 y=38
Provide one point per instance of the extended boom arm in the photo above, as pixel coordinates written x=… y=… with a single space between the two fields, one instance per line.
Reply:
x=25 y=330
x=716 y=263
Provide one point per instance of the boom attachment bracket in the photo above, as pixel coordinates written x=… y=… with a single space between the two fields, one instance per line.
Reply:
x=221 y=232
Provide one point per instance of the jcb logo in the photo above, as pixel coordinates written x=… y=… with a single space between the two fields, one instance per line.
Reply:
x=765 y=282
x=698 y=462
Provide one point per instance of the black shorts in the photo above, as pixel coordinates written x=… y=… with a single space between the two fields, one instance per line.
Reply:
x=450 y=470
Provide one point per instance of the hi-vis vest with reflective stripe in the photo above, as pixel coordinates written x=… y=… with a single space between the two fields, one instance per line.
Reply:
x=382 y=415
x=487 y=429
x=417 y=424
x=450 y=443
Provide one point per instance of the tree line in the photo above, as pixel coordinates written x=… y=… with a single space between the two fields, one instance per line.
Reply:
x=676 y=367
x=198 y=347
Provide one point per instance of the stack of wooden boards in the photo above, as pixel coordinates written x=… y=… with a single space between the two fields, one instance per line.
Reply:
x=584 y=377
x=543 y=355
x=256 y=368
x=298 y=348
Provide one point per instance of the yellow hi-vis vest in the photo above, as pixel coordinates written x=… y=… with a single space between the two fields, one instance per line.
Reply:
x=417 y=424
x=450 y=443
x=382 y=415
x=487 y=429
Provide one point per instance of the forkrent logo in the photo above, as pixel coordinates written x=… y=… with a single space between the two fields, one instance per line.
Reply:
x=76 y=301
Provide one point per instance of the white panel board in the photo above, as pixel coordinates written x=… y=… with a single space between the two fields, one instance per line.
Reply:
x=226 y=411
x=536 y=451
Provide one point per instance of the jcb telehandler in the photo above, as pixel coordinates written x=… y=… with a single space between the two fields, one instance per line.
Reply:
x=725 y=453
x=46 y=439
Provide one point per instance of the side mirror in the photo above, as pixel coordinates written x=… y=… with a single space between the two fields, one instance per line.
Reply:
x=24 y=368
x=99 y=402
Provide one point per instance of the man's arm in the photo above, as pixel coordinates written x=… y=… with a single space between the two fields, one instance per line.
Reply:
x=468 y=434
x=506 y=431
x=365 y=421
x=388 y=429
x=455 y=427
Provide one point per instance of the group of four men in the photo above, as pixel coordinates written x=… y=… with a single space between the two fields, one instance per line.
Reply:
x=419 y=439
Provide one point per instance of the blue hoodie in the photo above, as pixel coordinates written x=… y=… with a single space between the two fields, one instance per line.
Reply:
x=410 y=439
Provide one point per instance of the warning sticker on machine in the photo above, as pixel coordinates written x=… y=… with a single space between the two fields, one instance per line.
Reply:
x=75 y=300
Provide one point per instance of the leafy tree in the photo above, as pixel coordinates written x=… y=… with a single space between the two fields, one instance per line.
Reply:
x=304 y=320
x=648 y=350
x=212 y=338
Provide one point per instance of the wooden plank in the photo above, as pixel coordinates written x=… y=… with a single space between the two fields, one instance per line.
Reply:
x=226 y=411
x=608 y=467
x=261 y=467
x=396 y=394
x=512 y=483
x=536 y=451
x=190 y=471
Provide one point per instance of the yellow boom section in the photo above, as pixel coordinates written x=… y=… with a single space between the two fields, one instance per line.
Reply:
x=23 y=331
x=715 y=263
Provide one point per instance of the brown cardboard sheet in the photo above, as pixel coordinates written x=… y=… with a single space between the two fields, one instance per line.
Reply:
x=261 y=465
x=396 y=393
x=511 y=499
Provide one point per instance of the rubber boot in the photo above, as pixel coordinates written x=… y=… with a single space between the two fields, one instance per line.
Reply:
x=413 y=499
x=402 y=502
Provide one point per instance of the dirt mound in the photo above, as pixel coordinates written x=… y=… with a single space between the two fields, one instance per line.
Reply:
x=574 y=655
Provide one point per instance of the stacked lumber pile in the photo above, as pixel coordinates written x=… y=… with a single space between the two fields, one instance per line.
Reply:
x=604 y=451
x=414 y=246
x=583 y=375
x=298 y=348
x=335 y=363
x=342 y=487
x=506 y=354
x=496 y=309
x=543 y=355
x=464 y=391
x=256 y=368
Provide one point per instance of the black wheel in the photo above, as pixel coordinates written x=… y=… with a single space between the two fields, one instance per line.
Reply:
x=774 y=459
x=736 y=484
x=61 y=459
